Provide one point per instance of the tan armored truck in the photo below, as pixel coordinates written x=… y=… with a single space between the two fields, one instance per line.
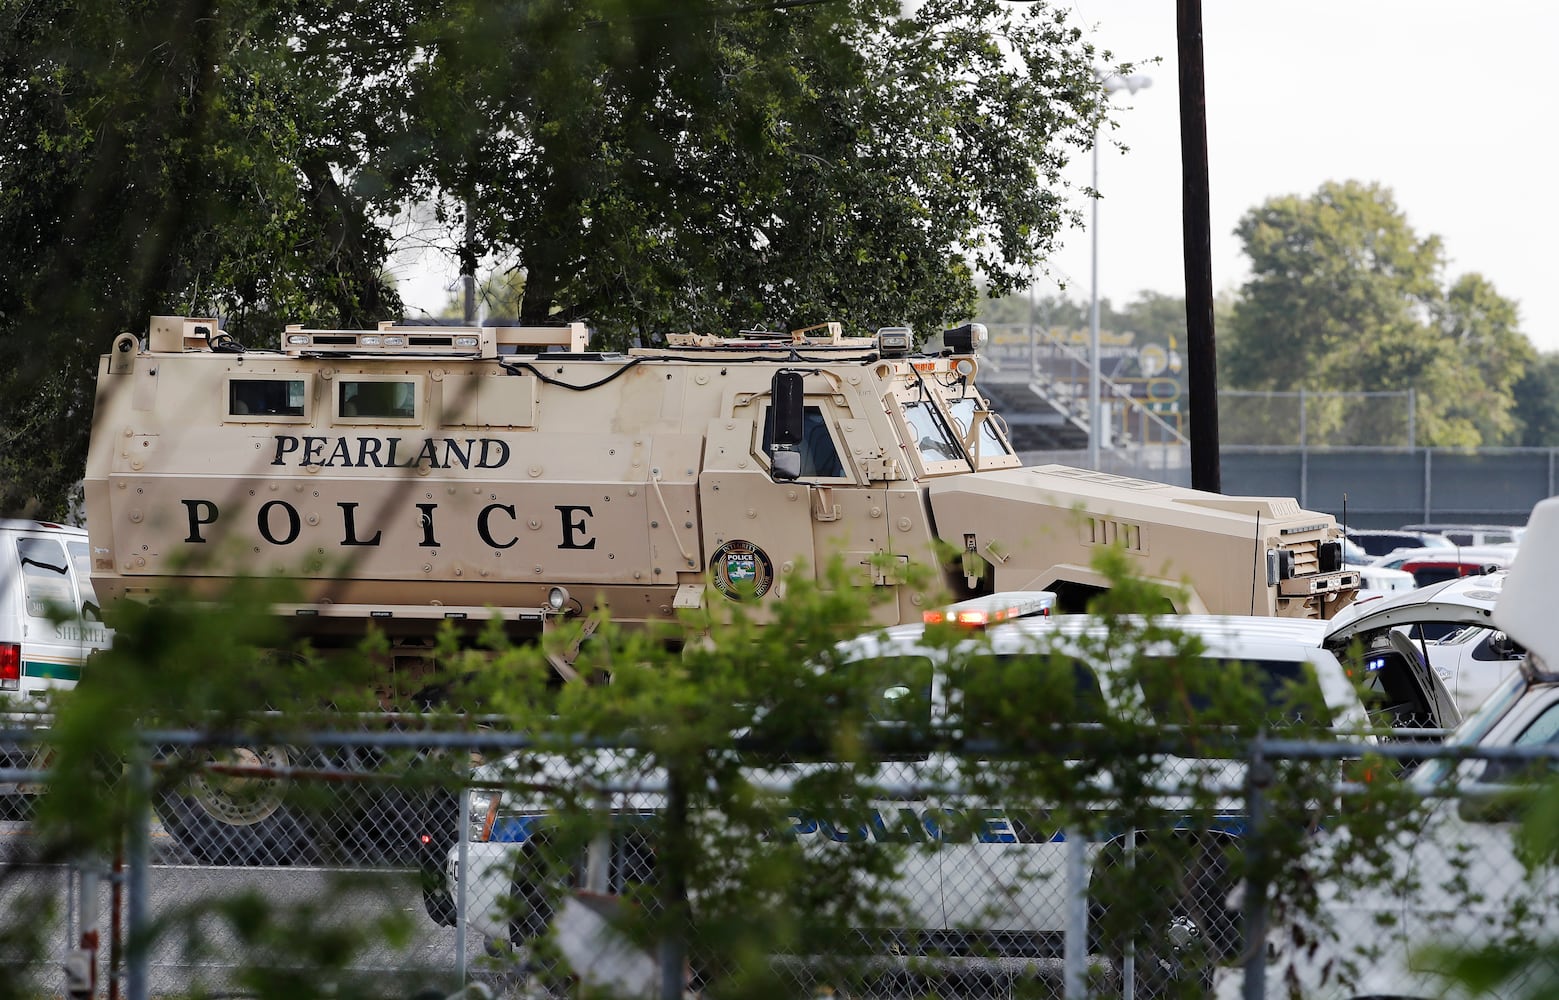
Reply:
x=409 y=475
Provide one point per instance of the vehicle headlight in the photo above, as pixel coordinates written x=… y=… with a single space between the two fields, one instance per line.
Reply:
x=484 y=813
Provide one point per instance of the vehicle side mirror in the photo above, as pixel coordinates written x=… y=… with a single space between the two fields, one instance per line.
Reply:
x=785 y=463
x=789 y=423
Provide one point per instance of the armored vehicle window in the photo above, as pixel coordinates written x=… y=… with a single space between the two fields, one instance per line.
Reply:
x=272 y=397
x=991 y=443
x=45 y=576
x=933 y=438
x=384 y=400
x=819 y=456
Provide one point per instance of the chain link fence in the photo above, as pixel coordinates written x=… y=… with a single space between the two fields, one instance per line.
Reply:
x=1303 y=419
x=392 y=863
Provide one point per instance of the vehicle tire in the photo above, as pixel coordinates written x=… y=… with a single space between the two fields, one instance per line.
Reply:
x=229 y=820
x=535 y=893
x=1182 y=932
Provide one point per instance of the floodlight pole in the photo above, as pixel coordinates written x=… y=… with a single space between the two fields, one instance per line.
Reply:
x=1131 y=84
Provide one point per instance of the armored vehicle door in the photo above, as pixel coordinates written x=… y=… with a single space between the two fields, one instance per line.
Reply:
x=759 y=526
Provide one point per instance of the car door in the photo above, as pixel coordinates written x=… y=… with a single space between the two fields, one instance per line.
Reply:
x=1476 y=889
x=52 y=649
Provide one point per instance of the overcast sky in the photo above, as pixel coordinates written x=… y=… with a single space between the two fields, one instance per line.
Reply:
x=1448 y=104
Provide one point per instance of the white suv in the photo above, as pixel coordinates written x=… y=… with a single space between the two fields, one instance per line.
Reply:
x=1464 y=883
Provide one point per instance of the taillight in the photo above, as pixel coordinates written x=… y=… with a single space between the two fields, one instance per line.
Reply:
x=10 y=666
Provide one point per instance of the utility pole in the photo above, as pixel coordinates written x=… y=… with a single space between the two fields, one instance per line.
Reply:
x=1201 y=352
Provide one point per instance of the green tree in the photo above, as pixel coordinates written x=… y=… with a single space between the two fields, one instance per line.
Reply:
x=1345 y=297
x=710 y=167
x=165 y=157
x=649 y=167
x=1537 y=403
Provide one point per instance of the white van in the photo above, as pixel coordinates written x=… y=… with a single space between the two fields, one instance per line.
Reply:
x=50 y=621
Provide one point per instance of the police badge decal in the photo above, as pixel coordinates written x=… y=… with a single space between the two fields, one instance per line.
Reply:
x=741 y=570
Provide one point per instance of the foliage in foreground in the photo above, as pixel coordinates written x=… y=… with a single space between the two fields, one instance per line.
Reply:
x=748 y=744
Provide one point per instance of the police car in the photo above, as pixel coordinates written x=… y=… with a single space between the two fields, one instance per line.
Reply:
x=964 y=892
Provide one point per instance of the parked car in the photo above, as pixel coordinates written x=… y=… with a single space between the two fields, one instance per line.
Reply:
x=1449 y=624
x=1379 y=541
x=1436 y=564
x=1472 y=534
x=970 y=890
x=1473 y=884
x=50 y=621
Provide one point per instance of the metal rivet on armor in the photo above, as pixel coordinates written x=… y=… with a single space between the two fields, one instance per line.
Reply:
x=904 y=524
x=312 y=519
x=427 y=567
x=534 y=471
x=876 y=512
x=533 y=524
x=135 y=517
x=654 y=524
x=751 y=513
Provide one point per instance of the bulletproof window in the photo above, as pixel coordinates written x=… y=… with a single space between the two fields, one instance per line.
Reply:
x=933 y=438
x=273 y=397
x=819 y=456
x=991 y=443
x=381 y=399
x=45 y=577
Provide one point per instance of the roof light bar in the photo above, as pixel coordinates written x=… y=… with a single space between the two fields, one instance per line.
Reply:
x=992 y=609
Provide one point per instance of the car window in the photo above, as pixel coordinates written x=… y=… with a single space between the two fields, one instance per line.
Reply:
x=1288 y=687
x=898 y=690
x=1392 y=694
x=45 y=577
x=933 y=439
x=991 y=445
x=90 y=610
x=1011 y=694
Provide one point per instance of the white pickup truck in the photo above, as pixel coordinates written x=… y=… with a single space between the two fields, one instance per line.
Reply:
x=984 y=889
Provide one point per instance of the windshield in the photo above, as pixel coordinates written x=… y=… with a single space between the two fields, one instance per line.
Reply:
x=991 y=444
x=933 y=439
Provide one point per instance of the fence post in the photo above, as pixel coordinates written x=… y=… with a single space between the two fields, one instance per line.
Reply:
x=673 y=942
x=138 y=842
x=1257 y=777
x=462 y=864
x=1075 y=954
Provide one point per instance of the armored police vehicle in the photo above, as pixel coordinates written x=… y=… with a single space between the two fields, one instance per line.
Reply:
x=409 y=475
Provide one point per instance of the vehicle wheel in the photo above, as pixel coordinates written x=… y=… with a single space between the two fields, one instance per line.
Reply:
x=1179 y=933
x=231 y=820
x=540 y=880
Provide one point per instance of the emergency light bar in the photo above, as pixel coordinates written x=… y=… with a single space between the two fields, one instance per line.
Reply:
x=992 y=609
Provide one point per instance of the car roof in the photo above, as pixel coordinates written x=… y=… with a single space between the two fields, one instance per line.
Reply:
x=1223 y=636
x=1466 y=600
x=22 y=524
x=1503 y=554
